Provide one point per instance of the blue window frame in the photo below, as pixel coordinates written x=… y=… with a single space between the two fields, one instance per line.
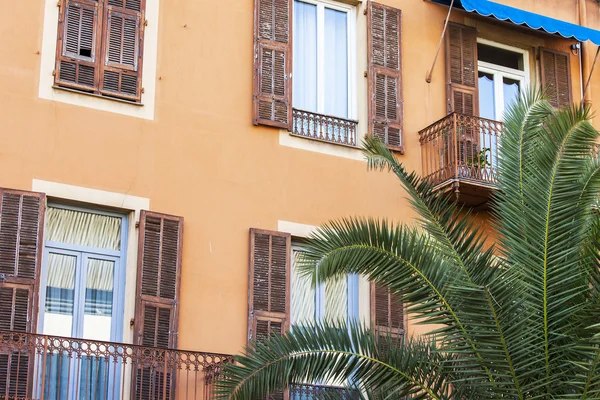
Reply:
x=82 y=295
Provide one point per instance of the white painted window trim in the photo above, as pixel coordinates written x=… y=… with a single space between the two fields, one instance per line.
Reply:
x=499 y=72
x=47 y=90
x=351 y=43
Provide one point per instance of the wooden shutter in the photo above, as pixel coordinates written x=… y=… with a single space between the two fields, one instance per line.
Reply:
x=78 y=44
x=123 y=38
x=461 y=69
x=386 y=104
x=272 y=99
x=269 y=284
x=158 y=279
x=556 y=76
x=269 y=288
x=21 y=230
x=387 y=312
x=157 y=303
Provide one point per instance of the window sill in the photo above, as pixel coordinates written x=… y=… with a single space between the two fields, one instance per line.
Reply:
x=97 y=96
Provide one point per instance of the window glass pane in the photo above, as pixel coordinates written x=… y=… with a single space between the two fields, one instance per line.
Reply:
x=83 y=228
x=60 y=295
x=336 y=63
x=487 y=104
x=336 y=300
x=305 y=57
x=498 y=56
x=99 y=286
x=511 y=89
x=303 y=296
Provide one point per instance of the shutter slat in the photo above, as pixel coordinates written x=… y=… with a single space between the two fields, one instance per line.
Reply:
x=556 y=76
x=461 y=69
x=384 y=25
x=272 y=63
x=269 y=282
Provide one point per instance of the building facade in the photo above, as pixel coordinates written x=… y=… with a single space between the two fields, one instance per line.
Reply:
x=162 y=161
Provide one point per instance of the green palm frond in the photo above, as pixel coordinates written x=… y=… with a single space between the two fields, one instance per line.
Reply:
x=338 y=353
x=517 y=320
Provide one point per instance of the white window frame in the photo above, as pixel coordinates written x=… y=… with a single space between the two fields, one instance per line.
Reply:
x=499 y=72
x=351 y=33
x=352 y=298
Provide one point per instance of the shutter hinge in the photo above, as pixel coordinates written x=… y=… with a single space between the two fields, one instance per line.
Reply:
x=137 y=226
x=366 y=74
x=54 y=72
x=365 y=11
x=131 y=322
x=145 y=22
x=142 y=91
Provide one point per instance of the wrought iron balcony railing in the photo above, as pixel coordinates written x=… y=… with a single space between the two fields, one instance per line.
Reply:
x=34 y=366
x=461 y=150
x=324 y=128
x=315 y=392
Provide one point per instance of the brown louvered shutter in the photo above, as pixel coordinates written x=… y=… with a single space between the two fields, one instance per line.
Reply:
x=123 y=37
x=269 y=288
x=157 y=303
x=158 y=279
x=21 y=230
x=387 y=312
x=461 y=69
x=556 y=76
x=272 y=99
x=386 y=104
x=269 y=283
x=78 y=45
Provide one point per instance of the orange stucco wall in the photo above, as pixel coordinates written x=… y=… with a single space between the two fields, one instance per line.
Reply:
x=202 y=158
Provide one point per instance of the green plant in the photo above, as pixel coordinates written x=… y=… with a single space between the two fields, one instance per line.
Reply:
x=517 y=320
x=482 y=159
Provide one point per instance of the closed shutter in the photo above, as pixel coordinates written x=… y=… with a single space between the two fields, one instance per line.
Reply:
x=272 y=99
x=386 y=104
x=269 y=298
x=21 y=230
x=123 y=33
x=157 y=303
x=78 y=45
x=556 y=76
x=461 y=69
x=387 y=311
x=269 y=288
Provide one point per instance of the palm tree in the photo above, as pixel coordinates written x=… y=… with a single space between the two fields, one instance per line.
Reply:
x=518 y=320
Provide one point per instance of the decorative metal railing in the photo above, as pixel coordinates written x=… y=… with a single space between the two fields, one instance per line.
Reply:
x=44 y=367
x=324 y=128
x=315 y=392
x=461 y=147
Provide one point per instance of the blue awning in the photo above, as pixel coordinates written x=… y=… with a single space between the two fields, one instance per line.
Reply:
x=521 y=17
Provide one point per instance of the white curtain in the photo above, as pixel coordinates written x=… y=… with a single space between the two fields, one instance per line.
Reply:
x=336 y=63
x=83 y=228
x=305 y=57
x=303 y=297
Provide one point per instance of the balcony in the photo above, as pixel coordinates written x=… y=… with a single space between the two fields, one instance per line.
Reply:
x=460 y=156
x=43 y=367
x=324 y=128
